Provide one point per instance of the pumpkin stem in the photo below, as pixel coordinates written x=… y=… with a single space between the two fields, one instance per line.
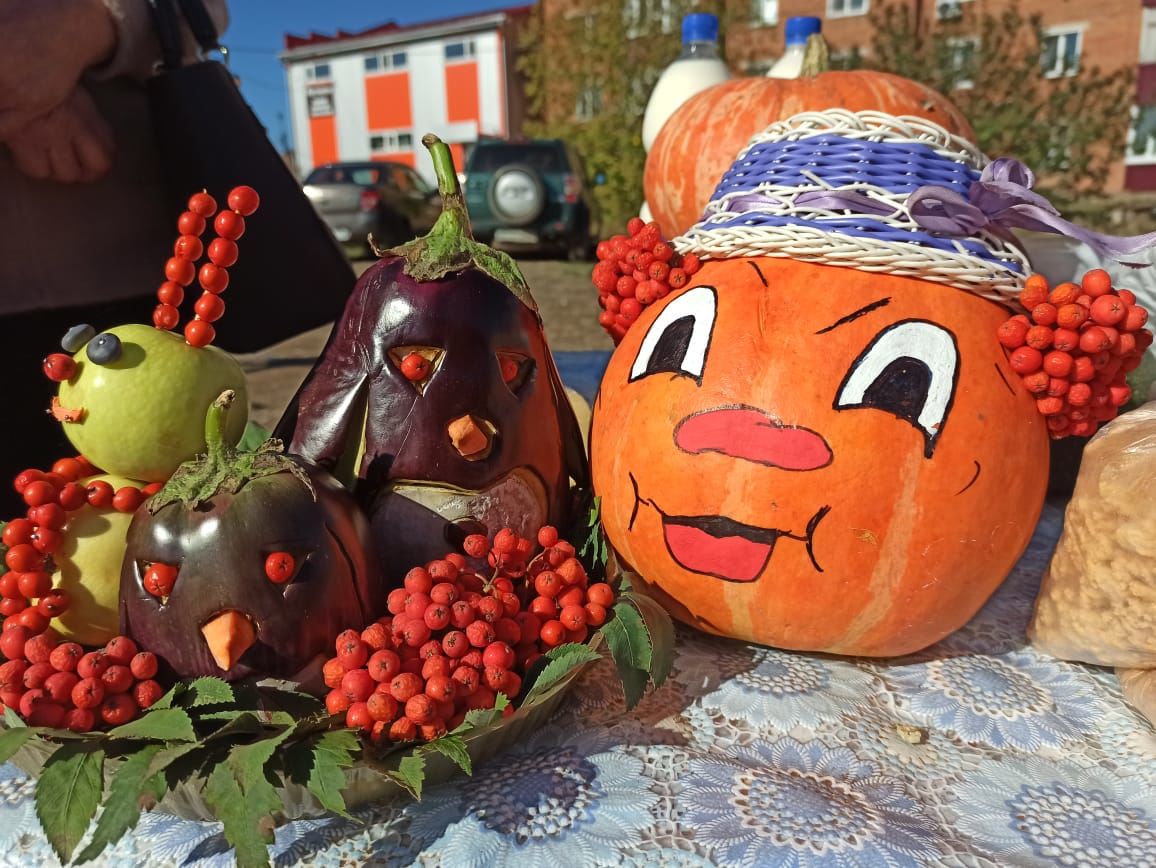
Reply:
x=450 y=248
x=816 y=56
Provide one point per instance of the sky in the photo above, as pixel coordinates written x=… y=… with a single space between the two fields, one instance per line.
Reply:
x=257 y=29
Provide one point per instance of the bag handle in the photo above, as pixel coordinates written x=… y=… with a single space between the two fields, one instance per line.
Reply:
x=168 y=20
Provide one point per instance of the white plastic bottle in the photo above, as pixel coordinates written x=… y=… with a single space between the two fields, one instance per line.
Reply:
x=790 y=65
x=697 y=68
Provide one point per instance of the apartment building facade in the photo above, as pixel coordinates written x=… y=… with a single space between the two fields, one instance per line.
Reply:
x=372 y=94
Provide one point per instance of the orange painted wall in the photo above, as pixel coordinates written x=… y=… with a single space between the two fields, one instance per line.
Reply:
x=323 y=137
x=406 y=157
x=462 y=92
x=387 y=101
x=459 y=154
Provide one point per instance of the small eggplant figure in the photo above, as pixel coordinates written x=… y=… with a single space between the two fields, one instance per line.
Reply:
x=437 y=392
x=246 y=563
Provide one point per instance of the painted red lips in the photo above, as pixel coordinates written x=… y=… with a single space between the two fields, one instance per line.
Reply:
x=717 y=546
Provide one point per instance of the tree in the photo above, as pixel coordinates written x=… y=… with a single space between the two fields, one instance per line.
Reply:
x=1017 y=88
x=589 y=69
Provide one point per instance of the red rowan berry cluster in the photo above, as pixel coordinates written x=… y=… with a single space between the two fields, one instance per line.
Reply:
x=57 y=684
x=634 y=271
x=1075 y=349
x=455 y=638
x=27 y=595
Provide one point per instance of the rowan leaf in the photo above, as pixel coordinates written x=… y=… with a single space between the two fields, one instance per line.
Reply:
x=629 y=642
x=11 y=740
x=207 y=691
x=67 y=794
x=12 y=719
x=661 y=631
x=325 y=760
x=410 y=773
x=165 y=724
x=122 y=806
x=452 y=747
x=480 y=718
x=563 y=660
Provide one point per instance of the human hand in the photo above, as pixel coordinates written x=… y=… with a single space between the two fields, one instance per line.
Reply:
x=70 y=144
x=48 y=44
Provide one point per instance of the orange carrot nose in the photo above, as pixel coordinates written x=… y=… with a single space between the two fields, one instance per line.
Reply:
x=229 y=635
x=471 y=436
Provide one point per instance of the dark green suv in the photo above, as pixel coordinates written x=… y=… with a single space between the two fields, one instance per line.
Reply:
x=530 y=195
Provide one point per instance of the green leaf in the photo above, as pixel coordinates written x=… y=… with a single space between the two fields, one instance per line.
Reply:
x=207 y=691
x=628 y=638
x=67 y=794
x=12 y=719
x=11 y=740
x=169 y=698
x=166 y=724
x=331 y=753
x=243 y=799
x=243 y=820
x=411 y=773
x=563 y=660
x=480 y=718
x=629 y=644
x=454 y=748
x=122 y=807
x=253 y=437
x=661 y=631
x=594 y=547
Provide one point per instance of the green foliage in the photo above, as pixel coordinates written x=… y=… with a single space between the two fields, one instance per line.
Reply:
x=588 y=78
x=1069 y=129
x=640 y=636
x=68 y=793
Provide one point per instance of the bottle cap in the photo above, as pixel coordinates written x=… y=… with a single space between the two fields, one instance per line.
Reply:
x=798 y=29
x=700 y=27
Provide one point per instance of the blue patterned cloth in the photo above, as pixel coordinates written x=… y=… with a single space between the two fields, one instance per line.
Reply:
x=751 y=756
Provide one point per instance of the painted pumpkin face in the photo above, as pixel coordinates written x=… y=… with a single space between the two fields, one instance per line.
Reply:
x=818 y=458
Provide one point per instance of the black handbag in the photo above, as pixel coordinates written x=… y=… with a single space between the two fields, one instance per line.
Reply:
x=291 y=275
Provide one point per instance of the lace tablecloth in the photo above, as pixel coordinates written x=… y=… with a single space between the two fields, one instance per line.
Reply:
x=751 y=756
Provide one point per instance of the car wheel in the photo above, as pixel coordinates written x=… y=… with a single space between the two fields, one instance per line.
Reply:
x=516 y=195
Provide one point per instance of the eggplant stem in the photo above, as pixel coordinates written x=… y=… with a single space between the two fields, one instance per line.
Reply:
x=215 y=424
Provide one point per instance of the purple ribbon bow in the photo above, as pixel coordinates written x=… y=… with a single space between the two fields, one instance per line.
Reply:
x=1003 y=199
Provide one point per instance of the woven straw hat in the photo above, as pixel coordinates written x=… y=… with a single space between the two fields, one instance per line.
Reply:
x=864 y=190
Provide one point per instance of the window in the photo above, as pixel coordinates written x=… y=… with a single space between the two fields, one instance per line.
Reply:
x=1148 y=36
x=1061 y=51
x=764 y=13
x=963 y=53
x=1142 y=136
x=385 y=62
x=390 y=142
x=843 y=8
x=460 y=50
x=588 y=104
x=648 y=16
x=320 y=103
x=950 y=10
x=318 y=72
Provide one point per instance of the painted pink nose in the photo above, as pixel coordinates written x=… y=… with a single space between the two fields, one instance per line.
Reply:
x=752 y=435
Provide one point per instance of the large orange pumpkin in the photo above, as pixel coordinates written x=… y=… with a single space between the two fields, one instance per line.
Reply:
x=818 y=458
x=700 y=141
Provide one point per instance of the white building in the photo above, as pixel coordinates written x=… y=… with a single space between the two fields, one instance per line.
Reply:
x=374 y=94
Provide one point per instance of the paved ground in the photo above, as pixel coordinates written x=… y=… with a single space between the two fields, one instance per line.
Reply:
x=569 y=308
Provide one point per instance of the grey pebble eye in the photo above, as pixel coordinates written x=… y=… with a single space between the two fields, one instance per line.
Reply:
x=76 y=337
x=103 y=348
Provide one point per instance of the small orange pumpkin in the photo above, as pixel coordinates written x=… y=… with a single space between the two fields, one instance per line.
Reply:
x=817 y=458
x=700 y=141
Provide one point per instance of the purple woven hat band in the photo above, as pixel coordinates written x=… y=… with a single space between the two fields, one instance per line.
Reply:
x=837 y=188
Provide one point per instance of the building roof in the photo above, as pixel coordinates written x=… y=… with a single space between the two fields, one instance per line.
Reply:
x=389 y=33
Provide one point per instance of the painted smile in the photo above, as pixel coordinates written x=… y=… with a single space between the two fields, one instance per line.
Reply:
x=714 y=545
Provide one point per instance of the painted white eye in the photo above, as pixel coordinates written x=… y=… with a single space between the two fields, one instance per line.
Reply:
x=678 y=341
x=910 y=370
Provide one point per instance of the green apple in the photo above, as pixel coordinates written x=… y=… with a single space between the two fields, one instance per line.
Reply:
x=141 y=413
x=88 y=566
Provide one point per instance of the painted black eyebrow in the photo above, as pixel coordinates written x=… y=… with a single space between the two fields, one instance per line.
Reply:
x=866 y=309
x=758 y=271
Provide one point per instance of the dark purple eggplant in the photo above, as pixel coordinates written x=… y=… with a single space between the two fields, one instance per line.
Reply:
x=216 y=521
x=486 y=439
